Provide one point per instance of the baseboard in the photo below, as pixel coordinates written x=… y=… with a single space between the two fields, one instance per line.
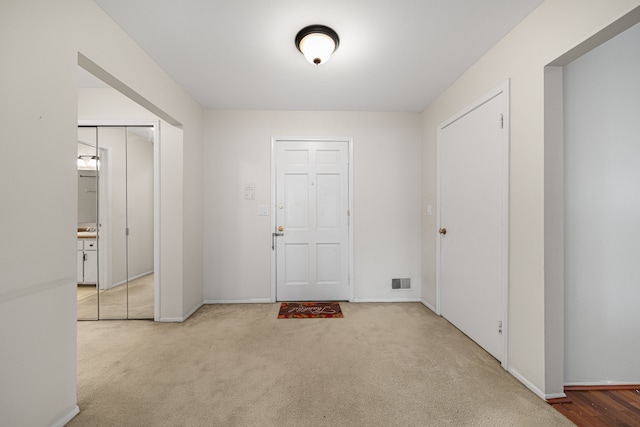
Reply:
x=68 y=417
x=171 y=319
x=239 y=301
x=131 y=279
x=601 y=387
x=386 y=300
x=528 y=384
x=189 y=314
x=557 y=397
x=180 y=319
x=429 y=306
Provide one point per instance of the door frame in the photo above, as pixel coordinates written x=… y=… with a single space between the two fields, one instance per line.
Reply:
x=155 y=124
x=503 y=88
x=350 y=245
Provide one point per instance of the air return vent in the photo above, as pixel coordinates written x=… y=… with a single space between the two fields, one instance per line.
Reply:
x=404 y=283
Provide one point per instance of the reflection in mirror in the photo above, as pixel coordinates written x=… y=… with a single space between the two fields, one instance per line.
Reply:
x=113 y=292
x=140 y=222
x=87 y=234
x=116 y=209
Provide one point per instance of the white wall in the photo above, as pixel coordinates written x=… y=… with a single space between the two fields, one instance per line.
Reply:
x=39 y=45
x=602 y=222
x=553 y=29
x=386 y=198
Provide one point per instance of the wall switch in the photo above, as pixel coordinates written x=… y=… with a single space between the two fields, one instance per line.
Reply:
x=429 y=210
x=263 y=210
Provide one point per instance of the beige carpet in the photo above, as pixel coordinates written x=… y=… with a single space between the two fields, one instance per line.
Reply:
x=113 y=302
x=238 y=365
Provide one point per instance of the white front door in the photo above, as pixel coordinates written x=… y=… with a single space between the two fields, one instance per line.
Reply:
x=473 y=221
x=312 y=220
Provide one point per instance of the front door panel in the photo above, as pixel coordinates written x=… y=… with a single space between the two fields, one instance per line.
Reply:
x=312 y=211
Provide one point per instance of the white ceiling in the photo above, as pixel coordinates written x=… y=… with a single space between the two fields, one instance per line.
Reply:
x=394 y=55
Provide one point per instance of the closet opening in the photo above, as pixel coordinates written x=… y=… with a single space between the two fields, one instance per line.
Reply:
x=116 y=221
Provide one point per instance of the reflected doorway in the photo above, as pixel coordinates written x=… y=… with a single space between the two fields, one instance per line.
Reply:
x=116 y=278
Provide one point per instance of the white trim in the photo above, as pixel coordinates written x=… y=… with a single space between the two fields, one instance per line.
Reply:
x=438 y=307
x=157 y=220
x=554 y=396
x=193 y=310
x=179 y=319
x=131 y=279
x=350 y=243
x=506 y=182
x=386 y=300
x=532 y=387
x=170 y=319
x=36 y=289
x=62 y=421
x=274 y=267
x=503 y=88
x=239 y=301
x=428 y=305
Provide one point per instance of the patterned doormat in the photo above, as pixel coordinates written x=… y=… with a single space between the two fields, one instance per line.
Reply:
x=309 y=310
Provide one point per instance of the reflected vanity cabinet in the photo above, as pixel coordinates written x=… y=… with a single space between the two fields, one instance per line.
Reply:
x=87 y=261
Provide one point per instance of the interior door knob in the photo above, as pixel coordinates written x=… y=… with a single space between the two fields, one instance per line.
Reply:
x=280 y=228
x=443 y=231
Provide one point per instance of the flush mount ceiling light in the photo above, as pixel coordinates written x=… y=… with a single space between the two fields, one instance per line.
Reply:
x=317 y=43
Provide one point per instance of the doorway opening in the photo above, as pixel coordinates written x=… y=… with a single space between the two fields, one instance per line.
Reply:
x=590 y=204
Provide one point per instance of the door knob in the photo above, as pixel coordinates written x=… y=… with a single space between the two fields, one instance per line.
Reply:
x=280 y=228
x=443 y=231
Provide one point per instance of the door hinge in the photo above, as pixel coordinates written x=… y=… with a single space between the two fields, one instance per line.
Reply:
x=501 y=121
x=499 y=326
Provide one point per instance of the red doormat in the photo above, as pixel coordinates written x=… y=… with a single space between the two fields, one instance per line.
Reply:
x=309 y=310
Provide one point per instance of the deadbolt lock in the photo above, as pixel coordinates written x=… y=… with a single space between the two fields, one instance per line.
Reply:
x=280 y=228
x=443 y=231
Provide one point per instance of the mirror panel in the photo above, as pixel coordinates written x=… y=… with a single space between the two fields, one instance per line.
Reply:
x=87 y=236
x=115 y=222
x=113 y=291
x=140 y=222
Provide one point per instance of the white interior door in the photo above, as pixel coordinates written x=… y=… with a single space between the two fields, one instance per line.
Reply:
x=312 y=220
x=473 y=222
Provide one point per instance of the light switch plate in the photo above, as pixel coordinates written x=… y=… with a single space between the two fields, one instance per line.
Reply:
x=263 y=210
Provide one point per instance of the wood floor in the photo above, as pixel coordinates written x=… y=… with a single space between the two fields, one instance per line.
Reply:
x=592 y=407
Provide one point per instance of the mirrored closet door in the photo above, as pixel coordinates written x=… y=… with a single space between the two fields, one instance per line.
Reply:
x=120 y=225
